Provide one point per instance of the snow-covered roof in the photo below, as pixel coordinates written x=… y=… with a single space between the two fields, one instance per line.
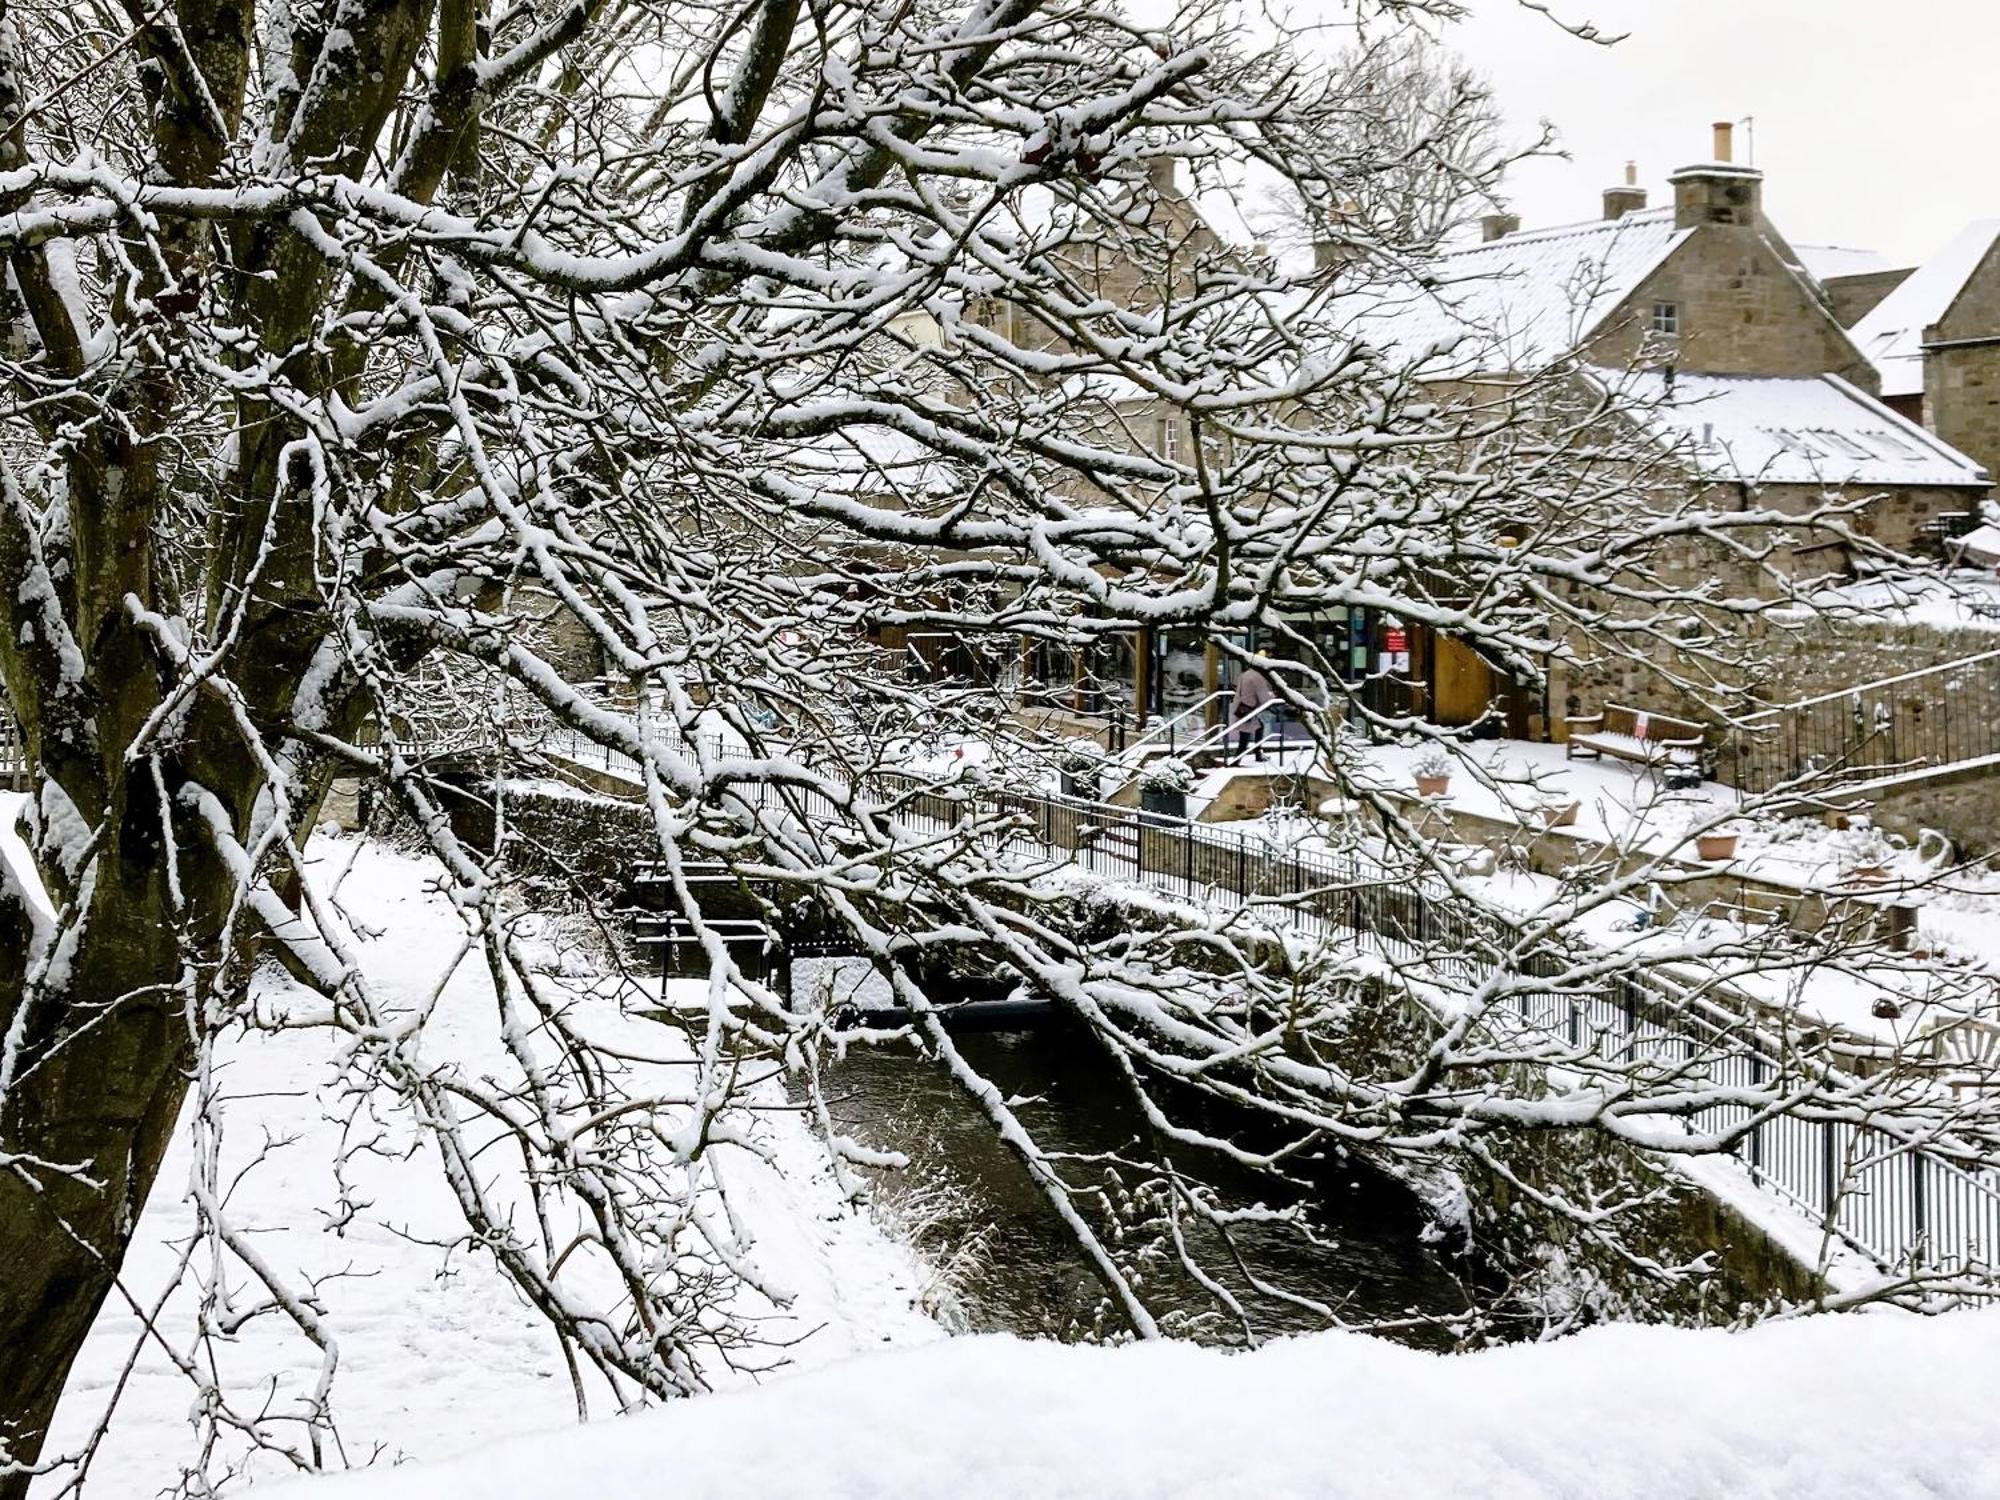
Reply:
x=1525 y=299
x=1892 y=333
x=1814 y=429
x=1980 y=545
x=1824 y=262
x=863 y=458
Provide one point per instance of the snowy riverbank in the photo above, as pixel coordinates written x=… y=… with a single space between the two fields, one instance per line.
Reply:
x=1871 y=1407
x=437 y=1354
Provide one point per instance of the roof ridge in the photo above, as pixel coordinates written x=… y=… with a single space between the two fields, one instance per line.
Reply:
x=1559 y=231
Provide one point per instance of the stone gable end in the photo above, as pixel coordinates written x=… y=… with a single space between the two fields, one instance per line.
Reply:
x=1741 y=311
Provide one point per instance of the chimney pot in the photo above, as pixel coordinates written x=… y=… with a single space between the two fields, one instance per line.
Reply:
x=1631 y=174
x=1499 y=226
x=1725 y=141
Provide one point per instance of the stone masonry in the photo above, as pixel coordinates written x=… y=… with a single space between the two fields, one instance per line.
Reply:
x=1962 y=367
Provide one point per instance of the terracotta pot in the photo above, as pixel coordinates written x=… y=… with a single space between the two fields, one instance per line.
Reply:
x=1714 y=846
x=1557 y=817
x=1432 y=786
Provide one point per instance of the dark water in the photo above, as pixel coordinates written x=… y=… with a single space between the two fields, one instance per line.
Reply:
x=970 y=1204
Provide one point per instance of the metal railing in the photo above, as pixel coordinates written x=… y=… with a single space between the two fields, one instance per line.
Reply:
x=1897 y=1204
x=1933 y=717
x=1174 y=734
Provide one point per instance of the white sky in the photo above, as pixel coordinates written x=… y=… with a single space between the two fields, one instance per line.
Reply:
x=1877 y=121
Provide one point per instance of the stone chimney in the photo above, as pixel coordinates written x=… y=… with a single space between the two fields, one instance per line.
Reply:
x=1719 y=191
x=1162 y=177
x=1499 y=226
x=1628 y=197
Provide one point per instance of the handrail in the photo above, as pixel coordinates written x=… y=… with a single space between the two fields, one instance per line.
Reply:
x=1166 y=726
x=1902 y=1202
x=1222 y=732
x=1841 y=694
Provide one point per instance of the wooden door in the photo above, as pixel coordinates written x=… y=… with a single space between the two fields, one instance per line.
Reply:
x=1461 y=682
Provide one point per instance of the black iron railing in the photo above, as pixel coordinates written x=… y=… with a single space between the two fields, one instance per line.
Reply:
x=1938 y=716
x=1900 y=1205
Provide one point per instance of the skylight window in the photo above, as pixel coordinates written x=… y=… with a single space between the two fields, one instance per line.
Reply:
x=1793 y=442
x=1840 y=442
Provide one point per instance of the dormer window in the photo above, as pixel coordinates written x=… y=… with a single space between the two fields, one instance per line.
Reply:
x=1666 y=317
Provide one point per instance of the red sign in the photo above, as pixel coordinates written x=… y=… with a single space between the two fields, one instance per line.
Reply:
x=1395 y=638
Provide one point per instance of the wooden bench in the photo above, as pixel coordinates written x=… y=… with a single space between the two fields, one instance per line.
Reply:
x=1633 y=734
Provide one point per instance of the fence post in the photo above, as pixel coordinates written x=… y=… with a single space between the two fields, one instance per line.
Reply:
x=1919 y=1207
x=1830 y=1175
x=1757 y=1130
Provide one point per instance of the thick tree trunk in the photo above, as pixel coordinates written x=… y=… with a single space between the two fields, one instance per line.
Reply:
x=100 y=1085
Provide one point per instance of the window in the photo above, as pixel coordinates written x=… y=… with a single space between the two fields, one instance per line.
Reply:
x=1170 y=440
x=1666 y=317
x=1841 y=443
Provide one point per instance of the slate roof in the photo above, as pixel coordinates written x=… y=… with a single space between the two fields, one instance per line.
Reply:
x=1524 y=300
x=1792 y=430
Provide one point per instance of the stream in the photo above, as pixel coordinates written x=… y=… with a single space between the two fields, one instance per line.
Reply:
x=1009 y=1264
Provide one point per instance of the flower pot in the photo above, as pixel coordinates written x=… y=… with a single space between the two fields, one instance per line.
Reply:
x=1557 y=817
x=1169 y=802
x=1714 y=846
x=1432 y=786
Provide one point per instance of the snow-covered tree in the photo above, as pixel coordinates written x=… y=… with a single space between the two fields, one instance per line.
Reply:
x=354 y=347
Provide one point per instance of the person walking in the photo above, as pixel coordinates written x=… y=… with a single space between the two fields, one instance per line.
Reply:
x=1251 y=709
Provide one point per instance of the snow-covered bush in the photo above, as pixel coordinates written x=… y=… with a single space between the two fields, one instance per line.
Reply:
x=1167 y=774
x=1434 y=762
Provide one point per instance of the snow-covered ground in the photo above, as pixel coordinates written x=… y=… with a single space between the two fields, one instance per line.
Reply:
x=1872 y=1407
x=1627 y=809
x=438 y=1355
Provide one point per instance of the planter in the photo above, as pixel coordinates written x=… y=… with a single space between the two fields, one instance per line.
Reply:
x=1558 y=817
x=1080 y=784
x=1432 y=786
x=1170 y=802
x=1868 y=874
x=1715 y=846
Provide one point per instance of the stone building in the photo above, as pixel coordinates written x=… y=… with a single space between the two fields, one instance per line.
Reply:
x=1700 y=306
x=1933 y=337
x=1725 y=336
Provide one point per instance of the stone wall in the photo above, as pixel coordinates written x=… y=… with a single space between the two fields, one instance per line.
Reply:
x=1854 y=297
x=1825 y=658
x=1785 y=661
x=1963 y=805
x=1962 y=380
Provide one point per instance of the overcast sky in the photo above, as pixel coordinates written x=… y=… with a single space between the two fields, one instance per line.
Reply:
x=1877 y=121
